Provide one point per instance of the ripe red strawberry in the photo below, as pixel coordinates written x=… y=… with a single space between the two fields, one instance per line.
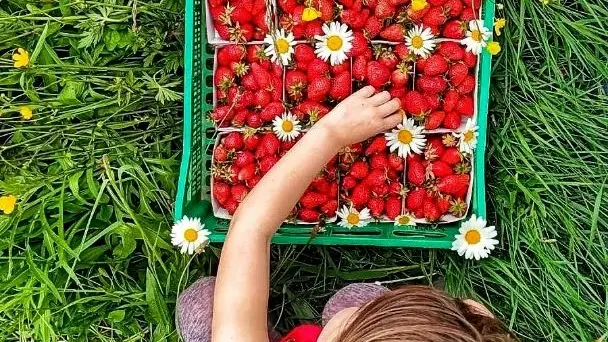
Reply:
x=470 y=59
x=377 y=145
x=414 y=103
x=255 y=53
x=247 y=172
x=313 y=28
x=468 y=14
x=454 y=29
x=401 y=51
x=223 y=78
x=392 y=207
x=261 y=98
x=359 y=170
x=451 y=156
x=304 y=53
x=384 y=9
x=230 y=54
x=454 y=7
x=434 y=149
x=436 y=2
x=397 y=92
x=346 y=3
x=311 y=200
x=310 y=110
x=251 y=142
x=379 y=161
x=465 y=105
x=373 y=26
x=434 y=119
x=400 y=76
x=435 y=16
x=287 y=5
x=476 y=3
x=435 y=65
x=271 y=111
x=416 y=173
x=360 y=45
x=420 y=64
x=254 y=121
x=339 y=68
x=415 y=199
x=318 y=88
x=395 y=162
x=416 y=16
x=240 y=118
x=326 y=7
x=452 y=120
x=355 y=19
x=431 y=212
x=231 y=205
x=233 y=141
x=308 y=215
x=333 y=190
x=320 y=184
x=388 y=59
x=440 y=168
x=451 y=50
x=262 y=76
x=394 y=33
x=341 y=86
x=240 y=14
x=360 y=68
x=317 y=68
x=220 y=154
x=431 y=84
x=395 y=188
x=221 y=192
x=467 y=85
x=454 y=184
x=276 y=88
x=266 y=163
x=360 y=196
x=380 y=190
x=443 y=204
x=270 y=144
x=295 y=83
x=248 y=81
x=349 y=182
x=222 y=115
x=434 y=101
x=287 y=145
x=329 y=208
x=376 y=206
x=376 y=177
x=377 y=74
x=458 y=72
x=222 y=30
x=243 y=158
x=450 y=99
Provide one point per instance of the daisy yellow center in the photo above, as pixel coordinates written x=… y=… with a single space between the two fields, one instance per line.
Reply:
x=287 y=126
x=190 y=235
x=468 y=136
x=404 y=136
x=282 y=46
x=476 y=35
x=403 y=220
x=352 y=218
x=472 y=237
x=334 y=43
x=417 y=42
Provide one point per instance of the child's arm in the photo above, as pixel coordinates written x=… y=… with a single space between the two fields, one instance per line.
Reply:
x=241 y=291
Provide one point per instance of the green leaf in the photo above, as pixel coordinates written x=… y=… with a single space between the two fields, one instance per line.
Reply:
x=127 y=241
x=156 y=302
x=39 y=44
x=42 y=276
x=74 y=187
x=70 y=92
x=116 y=316
x=111 y=39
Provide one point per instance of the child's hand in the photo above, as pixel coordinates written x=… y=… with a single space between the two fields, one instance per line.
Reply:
x=361 y=116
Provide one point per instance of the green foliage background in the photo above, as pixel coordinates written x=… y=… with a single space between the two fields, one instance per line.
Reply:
x=86 y=254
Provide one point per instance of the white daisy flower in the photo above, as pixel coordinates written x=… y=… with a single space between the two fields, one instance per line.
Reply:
x=280 y=46
x=405 y=220
x=477 y=37
x=475 y=240
x=468 y=138
x=286 y=127
x=189 y=234
x=406 y=138
x=335 y=43
x=420 y=40
x=350 y=217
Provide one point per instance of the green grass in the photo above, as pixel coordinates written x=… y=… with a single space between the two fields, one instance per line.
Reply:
x=86 y=255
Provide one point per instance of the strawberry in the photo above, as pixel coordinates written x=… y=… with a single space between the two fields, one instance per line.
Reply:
x=251 y=142
x=271 y=111
x=443 y=204
x=222 y=114
x=420 y=64
x=475 y=3
x=434 y=101
x=435 y=65
x=394 y=33
x=261 y=98
x=377 y=74
x=435 y=16
x=318 y=88
x=221 y=192
x=287 y=5
x=311 y=200
x=317 y=68
x=240 y=14
x=384 y=9
x=239 y=192
x=230 y=54
x=380 y=190
x=458 y=72
x=248 y=81
x=359 y=170
x=379 y=161
x=454 y=29
x=377 y=145
x=416 y=174
x=397 y=92
x=266 y=163
x=231 y=205
x=376 y=206
x=417 y=16
x=243 y=158
x=360 y=68
x=434 y=119
x=395 y=162
x=259 y=7
x=329 y=208
x=451 y=156
x=359 y=45
x=375 y=178
x=341 y=86
x=326 y=7
x=262 y=76
x=454 y=7
x=276 y=88
x=431 y=212
x=470 y=59
x=240 y=118
x=220 y=154
x=415 y=199
x=304 y=53
x=454 y=184
x=468 y=14
x=233 y=141
x=451 y=50
x=431 y=84
x=310 y=110
x=401 y=51
x=360 y=196
x=222 y=30
x=400 y=76
x=388 y=59
x=254 y=121
x=467 y=85
x=349 y=182
x=372 y=28
x=295 y=83
x=223 y=78
x=287 y=145
x=392 y=207
x=465 y=105
x=355 y=19
x=450 y=99
x=247 y=172
x=395 y=188
x=346 y=3
x=313 y=28
x=255 y=53
x=414 y=103
x=339 y=68
x=452 y=120
x=440 y=168
x=270 y=144
x=320 y=184
x=308 y=215
x=435 y=148
x=436 y=3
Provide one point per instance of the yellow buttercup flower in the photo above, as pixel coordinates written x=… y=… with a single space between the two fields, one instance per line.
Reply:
x=21 y=58
x=498 y=25
x=418 y=5
x=26 y=112
x=310 y=14
x=7 y=204
x=493 y=48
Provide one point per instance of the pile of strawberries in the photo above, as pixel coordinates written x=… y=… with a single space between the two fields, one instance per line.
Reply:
x=372 y=178
x=312 y=86
x=241 y=159
x=239 y=21
x=438 y=181
x=248 y=87
x=445 y=81
x=447 y=18
x=291 y=11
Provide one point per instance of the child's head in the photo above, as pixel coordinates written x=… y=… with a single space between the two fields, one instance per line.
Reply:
x=417 y=314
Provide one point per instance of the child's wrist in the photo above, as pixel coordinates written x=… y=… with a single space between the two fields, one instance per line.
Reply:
x=325 y=133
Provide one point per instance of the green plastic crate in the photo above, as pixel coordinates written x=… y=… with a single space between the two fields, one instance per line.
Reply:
x=193 y=194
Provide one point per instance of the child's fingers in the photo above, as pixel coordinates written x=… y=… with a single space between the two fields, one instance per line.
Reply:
x=365 y=92
x=380 y=98
x=392 y=120
x=390 y=107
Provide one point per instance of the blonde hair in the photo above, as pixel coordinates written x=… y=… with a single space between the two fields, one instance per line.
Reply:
x=422 y=314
